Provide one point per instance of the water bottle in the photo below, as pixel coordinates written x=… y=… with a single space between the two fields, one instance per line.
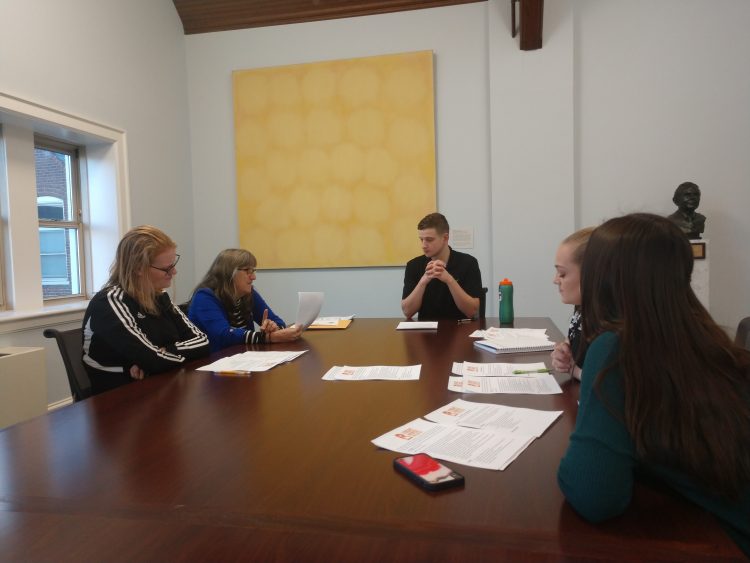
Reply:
x=505 y=297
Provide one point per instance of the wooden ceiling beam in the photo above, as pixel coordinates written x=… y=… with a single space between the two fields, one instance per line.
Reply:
x=204 y=16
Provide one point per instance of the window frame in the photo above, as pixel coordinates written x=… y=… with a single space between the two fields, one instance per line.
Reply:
x=75 y=153
x=104 y=203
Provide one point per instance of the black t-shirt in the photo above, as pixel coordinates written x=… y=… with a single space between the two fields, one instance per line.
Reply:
x=437 y=302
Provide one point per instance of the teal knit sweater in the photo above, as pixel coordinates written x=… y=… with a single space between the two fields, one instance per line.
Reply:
x=597 y=472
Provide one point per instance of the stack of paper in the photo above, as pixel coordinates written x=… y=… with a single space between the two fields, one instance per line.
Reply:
x=474 y=434
x=248 y=362
x=531 y=379
x=331 y=322
x=392 y=373
x=510 y=340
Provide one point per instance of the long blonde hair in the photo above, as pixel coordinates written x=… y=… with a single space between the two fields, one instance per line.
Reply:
x=579 y=239
x=135 y=252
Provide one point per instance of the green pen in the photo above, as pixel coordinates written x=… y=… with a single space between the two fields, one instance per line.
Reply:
x=520 y=371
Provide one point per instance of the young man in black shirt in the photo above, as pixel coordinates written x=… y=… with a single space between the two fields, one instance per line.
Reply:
x=443 y=283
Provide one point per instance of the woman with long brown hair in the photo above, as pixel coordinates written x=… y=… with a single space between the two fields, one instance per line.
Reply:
x=664 y=391
x=226 y=306
x=131 y=328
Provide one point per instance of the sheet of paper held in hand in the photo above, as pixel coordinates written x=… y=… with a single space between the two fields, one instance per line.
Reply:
x=251 y=361
x=308 y=309
x=390 y=373
x=505 y=433
x=417 y=325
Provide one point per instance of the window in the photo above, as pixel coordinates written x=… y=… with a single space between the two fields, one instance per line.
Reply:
x=63 y=207
x=60 y=217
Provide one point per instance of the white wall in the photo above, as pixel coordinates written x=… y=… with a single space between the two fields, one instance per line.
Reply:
x=624 y=101
x=533 y=197
x=121 y=64
x=663 y=96
x=458 y=37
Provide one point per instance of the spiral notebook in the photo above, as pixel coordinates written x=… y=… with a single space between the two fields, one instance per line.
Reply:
x=514 y=345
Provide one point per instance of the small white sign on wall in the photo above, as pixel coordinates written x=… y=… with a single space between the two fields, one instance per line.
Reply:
x=462 y=238
x=700 y=277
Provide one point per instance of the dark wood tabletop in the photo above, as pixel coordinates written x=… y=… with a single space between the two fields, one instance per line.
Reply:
x=190 y=466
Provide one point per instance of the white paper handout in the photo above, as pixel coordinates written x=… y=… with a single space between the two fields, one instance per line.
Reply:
x=499 y=332
x=308 y=309
x=390 y=373
x=495 y=417
x=536 y=384
x=331 y=321
x=498 y=369
x=488 y=449
x=251 y=361
x=417 y=325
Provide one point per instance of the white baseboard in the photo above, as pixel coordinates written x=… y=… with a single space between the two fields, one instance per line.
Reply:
x=59 y=404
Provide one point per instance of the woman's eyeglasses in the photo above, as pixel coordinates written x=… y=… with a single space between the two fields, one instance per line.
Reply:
x=247 y=270
x=169 y=268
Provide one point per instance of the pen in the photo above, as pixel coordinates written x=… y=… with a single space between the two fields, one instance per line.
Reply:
x=543 y=370
x=462 y=321
x=233 y=372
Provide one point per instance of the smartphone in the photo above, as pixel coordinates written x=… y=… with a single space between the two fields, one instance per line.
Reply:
x=427 y=472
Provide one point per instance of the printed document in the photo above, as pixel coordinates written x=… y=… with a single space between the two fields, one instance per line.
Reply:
x=391 y=373
x=529 y=384
x=488 y=449
x=417 y=325
x=331 y=321
x=251 y=361
x=495 y=332
x=494 y=417
x=497 y=369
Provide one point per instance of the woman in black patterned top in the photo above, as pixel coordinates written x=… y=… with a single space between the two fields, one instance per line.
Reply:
x=565 y=357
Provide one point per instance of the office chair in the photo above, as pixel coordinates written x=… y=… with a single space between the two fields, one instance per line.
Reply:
x=743 y=334
x=483 y=303
x=70 y=344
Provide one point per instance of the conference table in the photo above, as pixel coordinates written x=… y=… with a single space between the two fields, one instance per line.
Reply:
x=279 y=466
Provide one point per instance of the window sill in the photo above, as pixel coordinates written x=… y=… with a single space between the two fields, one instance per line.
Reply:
x=50 y=315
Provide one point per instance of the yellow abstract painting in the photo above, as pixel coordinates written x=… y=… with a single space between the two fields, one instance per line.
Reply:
x=335 y=160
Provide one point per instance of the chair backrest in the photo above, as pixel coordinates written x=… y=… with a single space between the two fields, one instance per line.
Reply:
x=483 y=303
x=70 y=343
x=743 y=334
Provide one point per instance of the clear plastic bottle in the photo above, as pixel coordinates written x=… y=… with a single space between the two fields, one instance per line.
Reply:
x=505 y=297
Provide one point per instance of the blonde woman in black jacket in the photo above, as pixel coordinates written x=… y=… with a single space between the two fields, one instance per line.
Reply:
x=131 y=328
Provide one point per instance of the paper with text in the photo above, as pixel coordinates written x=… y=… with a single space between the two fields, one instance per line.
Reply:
x=495 y=417
x=495 y=369
x=531 y=384
x=390 y=373
x=417 y=325
x=487 y=449
x=251 y=361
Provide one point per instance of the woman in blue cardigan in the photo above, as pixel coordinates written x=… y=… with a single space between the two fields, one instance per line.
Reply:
x=226 y=306
x=664 y=391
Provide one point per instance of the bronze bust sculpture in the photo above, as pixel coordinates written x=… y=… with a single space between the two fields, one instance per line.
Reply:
x=687 y=197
